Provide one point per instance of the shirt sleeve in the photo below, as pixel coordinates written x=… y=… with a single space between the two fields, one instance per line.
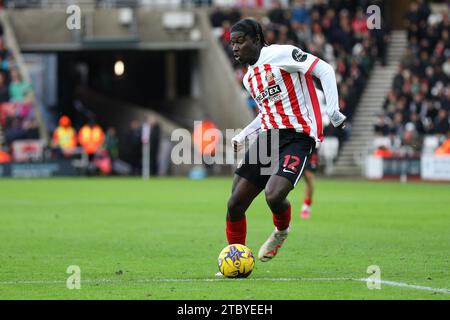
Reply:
x=253 y=127
x=293 y=59
x=325 y=73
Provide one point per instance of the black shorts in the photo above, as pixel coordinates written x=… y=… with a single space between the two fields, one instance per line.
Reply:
x=263 y=159
x=313 y=162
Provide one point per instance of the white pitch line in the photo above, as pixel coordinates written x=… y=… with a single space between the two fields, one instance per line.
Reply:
x=405 y=285
x=385 y=282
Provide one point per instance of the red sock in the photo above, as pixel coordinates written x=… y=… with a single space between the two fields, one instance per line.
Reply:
x=236 y=231
x=308 y=201
x=281 y=221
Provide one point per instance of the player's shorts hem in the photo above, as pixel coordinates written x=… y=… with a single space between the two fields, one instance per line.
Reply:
x=250 y=178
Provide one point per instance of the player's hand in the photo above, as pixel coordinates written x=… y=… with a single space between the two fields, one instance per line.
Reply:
x=338 y=120
x=342 y=126
x=237 y=146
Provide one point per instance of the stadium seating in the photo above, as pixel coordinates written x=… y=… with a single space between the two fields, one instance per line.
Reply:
x=17 y=118
x=419 y=102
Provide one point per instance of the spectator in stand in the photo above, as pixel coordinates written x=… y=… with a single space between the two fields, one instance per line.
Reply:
x=18 y=89
x=412 y=20
x=4 y=65
x=442 y=125
x=111 y=144
x=381 y=127
x=423 y=10
x=277 y=14
x=300 y=14
x=133 y=150
x=389 y=106
x=31 y=128
x=329 y=23
x=13 y=130
x=415 y=120
x=411 y=141
x=343 y=35
x=359 y=24
x=217 y=17
x=4 y=91
x=417 y=104
x=3 y=51
x=303 y=33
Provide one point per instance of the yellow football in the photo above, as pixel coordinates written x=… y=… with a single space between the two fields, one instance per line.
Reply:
x=236 y=261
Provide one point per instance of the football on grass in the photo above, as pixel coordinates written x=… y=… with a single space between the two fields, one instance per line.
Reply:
x=236 y=261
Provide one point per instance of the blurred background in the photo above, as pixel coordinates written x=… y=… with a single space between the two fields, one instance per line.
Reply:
x=96 y=87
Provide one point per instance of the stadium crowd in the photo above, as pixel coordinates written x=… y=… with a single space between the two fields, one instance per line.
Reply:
x=335 y=31
x=17 y=118
x=418 y=104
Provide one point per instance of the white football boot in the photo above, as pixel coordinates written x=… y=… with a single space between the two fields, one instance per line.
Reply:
x=270 y=248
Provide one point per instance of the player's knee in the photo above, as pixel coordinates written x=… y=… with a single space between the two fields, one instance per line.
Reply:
x=274 y=198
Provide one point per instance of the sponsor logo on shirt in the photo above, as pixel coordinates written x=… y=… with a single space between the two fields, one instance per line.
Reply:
x=299 y=56
x=272 y=94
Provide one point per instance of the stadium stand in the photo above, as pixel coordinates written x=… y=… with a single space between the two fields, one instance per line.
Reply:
x=416 y=117
x=17 y=118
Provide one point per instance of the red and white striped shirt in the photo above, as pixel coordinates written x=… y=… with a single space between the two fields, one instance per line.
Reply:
x=281 y=82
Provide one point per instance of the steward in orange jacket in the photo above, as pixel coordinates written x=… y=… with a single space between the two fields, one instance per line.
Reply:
x=91 y=138
x=444 y=149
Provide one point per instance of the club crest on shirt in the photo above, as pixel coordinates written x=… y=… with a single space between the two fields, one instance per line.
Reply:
x=269 y=76
x=298 y=55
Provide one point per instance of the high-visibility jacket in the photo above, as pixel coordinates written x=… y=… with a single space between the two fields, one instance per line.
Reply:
x=5 y=157
x=91 y=138
x=444 y=149
x=206 y=141
x=383 y=153
x=65 y=137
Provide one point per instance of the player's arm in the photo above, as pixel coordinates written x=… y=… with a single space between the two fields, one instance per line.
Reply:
x=238 y=140
x=325 y=73
x=295 y=60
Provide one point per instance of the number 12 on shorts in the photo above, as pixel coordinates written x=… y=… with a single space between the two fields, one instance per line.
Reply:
x=291 y=162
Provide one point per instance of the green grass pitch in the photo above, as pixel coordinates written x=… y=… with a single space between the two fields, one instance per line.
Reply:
x=159 y=239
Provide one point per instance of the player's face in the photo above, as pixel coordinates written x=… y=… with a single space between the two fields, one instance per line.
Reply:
x=245 y=49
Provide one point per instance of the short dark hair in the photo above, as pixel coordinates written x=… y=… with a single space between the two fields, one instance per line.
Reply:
x=250 y=27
